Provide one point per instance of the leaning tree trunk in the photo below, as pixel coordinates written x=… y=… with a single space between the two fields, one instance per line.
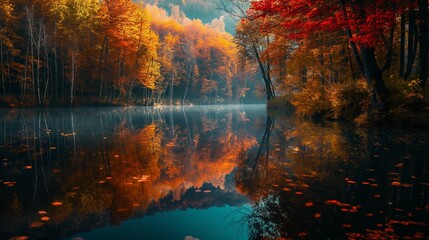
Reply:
x=374 y=78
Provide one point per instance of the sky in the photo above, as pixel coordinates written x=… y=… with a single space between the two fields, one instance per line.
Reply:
x=206 y=10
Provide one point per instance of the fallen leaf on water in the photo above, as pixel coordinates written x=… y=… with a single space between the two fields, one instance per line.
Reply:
x=101 y=181
x=56 y=203
x=42 y=212
x=317 y=215
x=28 y=167
x=365 y=183
x=298 y=193
x=287 y=189
x=207 y=191
x=309 y=204
x=346 y=226
x=333 y=202
x=116 y=156
x=36 y=224
x=396 y=184
x=45 y=218
x=19 y=238
x=198 y=190
x=351 y=182
x=108 y=178
x=136 y=205
x=121 y=210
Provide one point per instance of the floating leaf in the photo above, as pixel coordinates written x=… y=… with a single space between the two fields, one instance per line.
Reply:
x=36 y=224
x=56 y=203
x=396 y=184
x=19 y=238
x=317 y=215
x=309 y=204
x=333 y=202
x=45 y=218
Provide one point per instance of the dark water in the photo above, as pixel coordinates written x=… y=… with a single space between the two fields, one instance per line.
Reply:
x=207 y=173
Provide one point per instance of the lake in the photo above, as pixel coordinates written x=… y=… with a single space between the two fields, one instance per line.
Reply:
x=207 y=172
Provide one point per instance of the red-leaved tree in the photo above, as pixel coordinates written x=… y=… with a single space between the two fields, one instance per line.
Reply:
x=366 y=24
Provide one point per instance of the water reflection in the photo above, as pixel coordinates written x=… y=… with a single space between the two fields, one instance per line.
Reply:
x=65 y=172
x=330 y=181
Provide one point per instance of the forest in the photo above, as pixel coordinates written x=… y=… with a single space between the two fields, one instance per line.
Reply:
x=358 y=60
x=113 y=52
x=365 y=61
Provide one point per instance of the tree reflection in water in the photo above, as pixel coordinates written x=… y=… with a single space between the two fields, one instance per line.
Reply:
x=329 y=181
x=66 y=171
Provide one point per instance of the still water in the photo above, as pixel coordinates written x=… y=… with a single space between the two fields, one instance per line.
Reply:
x=207 y=172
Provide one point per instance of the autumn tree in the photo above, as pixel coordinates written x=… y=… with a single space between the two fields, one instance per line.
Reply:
x=365 y=23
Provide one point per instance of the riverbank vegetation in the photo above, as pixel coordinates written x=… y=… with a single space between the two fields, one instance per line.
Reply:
x=365 y=61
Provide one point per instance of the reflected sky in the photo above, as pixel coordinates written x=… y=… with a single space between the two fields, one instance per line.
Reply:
x=207 y=172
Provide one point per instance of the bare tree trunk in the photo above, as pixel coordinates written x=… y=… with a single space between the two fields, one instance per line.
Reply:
x=2 y=69
x=24 y=83
x=101 y=66
x=412 y=43
x=45 y=47
x=171 y=90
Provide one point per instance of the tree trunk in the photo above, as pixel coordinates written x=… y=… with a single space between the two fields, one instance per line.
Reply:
x=423 y=41
x=2 y=69
x=412 y=43
x=374 y=77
